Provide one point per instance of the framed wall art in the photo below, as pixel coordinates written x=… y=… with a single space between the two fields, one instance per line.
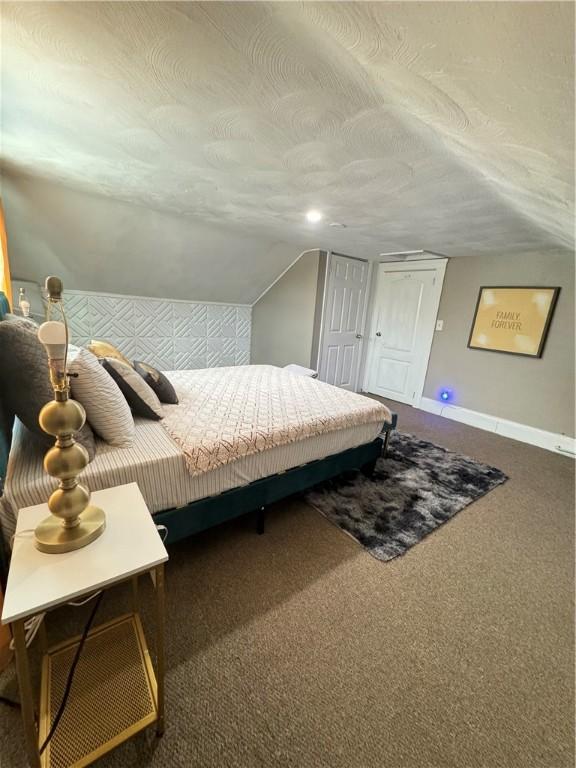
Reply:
x=514 y=320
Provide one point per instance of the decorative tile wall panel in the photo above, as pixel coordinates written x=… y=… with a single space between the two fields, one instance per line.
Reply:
x=169 y=335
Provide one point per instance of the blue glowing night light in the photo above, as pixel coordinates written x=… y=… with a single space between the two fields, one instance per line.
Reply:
x=446 y=395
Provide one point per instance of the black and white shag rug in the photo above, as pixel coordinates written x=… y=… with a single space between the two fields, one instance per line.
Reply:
x=415 y=489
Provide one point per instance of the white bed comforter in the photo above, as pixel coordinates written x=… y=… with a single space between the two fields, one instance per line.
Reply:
x=225 y=414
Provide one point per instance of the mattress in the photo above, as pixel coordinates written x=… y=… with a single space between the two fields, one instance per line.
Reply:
x=157 y=464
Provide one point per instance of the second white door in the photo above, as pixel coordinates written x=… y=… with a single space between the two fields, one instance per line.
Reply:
x=405 y=307
x=344 y=321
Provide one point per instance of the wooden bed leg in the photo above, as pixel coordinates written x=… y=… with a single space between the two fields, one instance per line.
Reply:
x=385 y=446
x=368 y=469
x=392 y=426
x=260 y=520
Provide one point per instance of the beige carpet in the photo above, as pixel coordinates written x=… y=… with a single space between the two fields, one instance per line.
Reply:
x=298 y=649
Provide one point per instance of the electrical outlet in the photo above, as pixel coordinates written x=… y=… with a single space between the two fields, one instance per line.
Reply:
x=439 y=325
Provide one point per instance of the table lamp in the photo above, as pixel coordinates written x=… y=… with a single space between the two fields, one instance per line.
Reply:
x=74 y=522
x=23 y=303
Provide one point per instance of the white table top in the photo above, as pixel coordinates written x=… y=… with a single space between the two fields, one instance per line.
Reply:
x=129 y=545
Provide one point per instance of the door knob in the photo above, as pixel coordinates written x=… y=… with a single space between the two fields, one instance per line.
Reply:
x=378 y=333
x=358 y=335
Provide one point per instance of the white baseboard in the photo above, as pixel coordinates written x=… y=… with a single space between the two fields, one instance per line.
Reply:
x=540 y=437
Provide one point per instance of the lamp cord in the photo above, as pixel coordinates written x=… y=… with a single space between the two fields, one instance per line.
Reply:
x=9 y=702
x=32 y=626
x=70 y=678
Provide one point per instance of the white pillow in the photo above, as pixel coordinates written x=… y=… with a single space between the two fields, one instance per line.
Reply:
x=106 y=408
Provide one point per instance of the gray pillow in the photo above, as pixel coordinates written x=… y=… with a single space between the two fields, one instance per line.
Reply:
x=25 y=382
x=27 y=322
x=157 y=381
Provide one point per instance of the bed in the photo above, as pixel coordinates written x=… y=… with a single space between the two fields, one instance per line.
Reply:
x=187 y=494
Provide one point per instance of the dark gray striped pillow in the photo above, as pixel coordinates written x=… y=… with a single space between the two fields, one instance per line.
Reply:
x=140 y=397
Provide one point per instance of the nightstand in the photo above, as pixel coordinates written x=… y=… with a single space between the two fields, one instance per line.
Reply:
x=116 y=691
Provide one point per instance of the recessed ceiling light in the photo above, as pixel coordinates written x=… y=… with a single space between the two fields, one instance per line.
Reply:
x=314 y=216
x=337 y=225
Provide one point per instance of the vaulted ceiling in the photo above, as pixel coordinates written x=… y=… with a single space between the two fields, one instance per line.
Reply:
x=444 y=126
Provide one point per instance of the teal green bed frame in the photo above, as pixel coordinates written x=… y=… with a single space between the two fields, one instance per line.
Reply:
x=199 y=515
x=257 y=496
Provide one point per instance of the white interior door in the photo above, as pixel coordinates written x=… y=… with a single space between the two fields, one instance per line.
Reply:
x=344 y=314
x=403 y=321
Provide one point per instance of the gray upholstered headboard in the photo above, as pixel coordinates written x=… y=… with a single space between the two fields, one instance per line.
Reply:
x=6 y=423
x=6 y=419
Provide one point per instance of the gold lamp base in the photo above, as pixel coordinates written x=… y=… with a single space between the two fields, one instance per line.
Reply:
x=53 y=538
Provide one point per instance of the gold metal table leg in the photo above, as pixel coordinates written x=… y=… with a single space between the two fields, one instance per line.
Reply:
x=160 y=646
x=26 y=697
x=135 y=602
x=43 y=637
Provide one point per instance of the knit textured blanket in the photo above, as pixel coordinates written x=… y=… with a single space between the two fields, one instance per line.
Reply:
x=227 y=413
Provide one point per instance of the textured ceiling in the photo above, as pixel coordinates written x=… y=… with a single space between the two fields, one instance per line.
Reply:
x=444 y=126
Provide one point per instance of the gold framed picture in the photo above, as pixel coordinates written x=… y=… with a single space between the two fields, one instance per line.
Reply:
x=513 y=320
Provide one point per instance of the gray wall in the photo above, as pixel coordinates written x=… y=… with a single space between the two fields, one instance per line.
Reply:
x=283 y=319
x=97 y=243
x=536 y=392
